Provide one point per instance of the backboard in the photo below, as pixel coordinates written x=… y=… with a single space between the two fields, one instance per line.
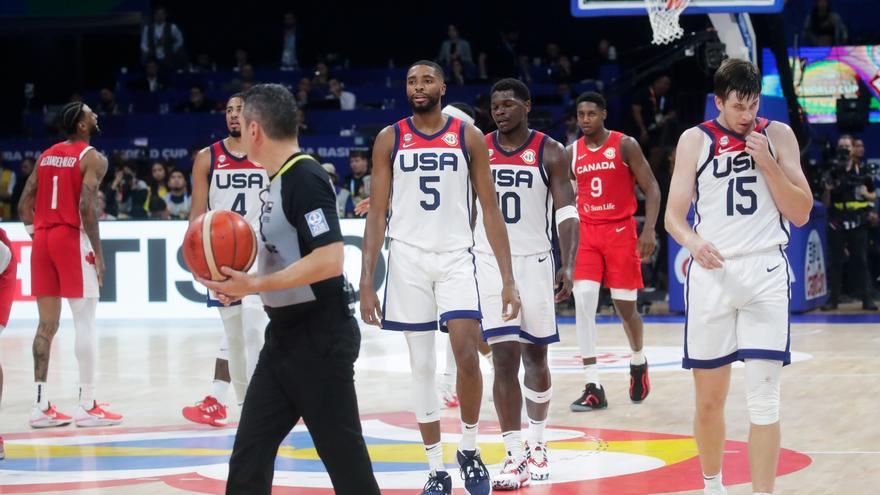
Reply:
x=597 y=8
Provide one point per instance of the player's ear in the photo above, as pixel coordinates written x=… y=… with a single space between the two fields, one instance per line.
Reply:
x=443 y=89
x=528 y=105
x=719 y=103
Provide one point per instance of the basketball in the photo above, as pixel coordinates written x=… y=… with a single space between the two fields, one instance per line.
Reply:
x=216 y=239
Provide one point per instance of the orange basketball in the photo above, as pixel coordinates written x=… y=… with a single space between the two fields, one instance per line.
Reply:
x=216 y=239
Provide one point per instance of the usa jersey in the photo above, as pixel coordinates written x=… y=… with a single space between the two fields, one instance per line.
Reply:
x=733 y=208
x=59 y=183
x=430 y=188
x=522 y=187
x=605 y=183
x=235 y=184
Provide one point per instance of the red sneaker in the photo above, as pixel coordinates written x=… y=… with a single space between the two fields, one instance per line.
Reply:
x=209 y=411
x=49 y=418
x=96 y=416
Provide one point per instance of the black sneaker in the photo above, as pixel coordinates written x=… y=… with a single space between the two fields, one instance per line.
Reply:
x=639 y=384
x=829 y=306
x=869 y=305
x=474 y=473
x=439 y=483
x=592 y=398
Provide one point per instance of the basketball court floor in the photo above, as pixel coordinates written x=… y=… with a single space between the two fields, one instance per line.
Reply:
x=149 y=370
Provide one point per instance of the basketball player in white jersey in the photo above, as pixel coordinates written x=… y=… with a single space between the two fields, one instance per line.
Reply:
x=744 y=178
x=224 y=179
x=430 y=162
x=531 y=179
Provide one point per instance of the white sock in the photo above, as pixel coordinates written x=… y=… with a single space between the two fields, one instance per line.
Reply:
x=591 y=371
x=468 y=437
x=536 y=431
x=435 y=456
x=713 y=482
x=513 y=443
x=41 y=400
x=762 y=493
x=638 y=357
x=87 y=396
x=220 y=390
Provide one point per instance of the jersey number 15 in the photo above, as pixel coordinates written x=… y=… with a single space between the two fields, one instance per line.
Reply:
x=740 y=197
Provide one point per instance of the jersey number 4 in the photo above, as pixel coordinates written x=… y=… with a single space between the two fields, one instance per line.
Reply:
x=238 y=205
x=740 y=197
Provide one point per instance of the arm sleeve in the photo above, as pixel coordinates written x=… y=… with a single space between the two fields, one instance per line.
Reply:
x=310 y=205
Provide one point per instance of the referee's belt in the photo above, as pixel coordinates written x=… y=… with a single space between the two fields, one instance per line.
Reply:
x=853 y=205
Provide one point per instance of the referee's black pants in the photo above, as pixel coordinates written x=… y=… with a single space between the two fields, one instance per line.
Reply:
x=305 y=370
x=854 y=241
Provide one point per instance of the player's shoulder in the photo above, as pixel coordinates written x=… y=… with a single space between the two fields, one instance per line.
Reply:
x=695 y=134
x=775 y=128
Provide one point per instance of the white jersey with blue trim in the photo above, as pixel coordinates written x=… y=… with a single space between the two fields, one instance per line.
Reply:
x=733 y=207
x=431 y=188
x=522 y=187
x=235 y=184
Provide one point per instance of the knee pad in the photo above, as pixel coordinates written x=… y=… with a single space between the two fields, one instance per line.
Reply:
x=537 y=397
x=423 y=363
x=586 y=301
x=762 y=390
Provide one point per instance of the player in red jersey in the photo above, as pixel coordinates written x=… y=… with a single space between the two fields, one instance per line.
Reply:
x=8 y=267
x=59 y=209
x=606 y=166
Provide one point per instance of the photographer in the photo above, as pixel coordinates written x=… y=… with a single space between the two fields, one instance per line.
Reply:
x=849 y=195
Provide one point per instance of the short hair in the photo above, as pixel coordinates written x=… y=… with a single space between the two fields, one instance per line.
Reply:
x=358 y=153
x=592 y=97
x=737 y=76
x=464 y=107
x=430 y=63
x=520 y=90
x=70 y=115
x=236 y=95
x=274 y=107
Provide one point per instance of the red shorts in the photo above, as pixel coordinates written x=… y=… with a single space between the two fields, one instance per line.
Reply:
x=608 y=253
x=7 y=289
x=63 y=264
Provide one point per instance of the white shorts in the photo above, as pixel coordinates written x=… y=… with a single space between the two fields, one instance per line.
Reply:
x=420 y=285
x=535 y=280
x=737 y=312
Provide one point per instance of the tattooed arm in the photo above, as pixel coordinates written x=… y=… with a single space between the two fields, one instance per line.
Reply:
x=28 y=197
x=94 y=166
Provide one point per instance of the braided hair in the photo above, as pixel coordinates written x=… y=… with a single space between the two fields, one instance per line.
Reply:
x=70 y=116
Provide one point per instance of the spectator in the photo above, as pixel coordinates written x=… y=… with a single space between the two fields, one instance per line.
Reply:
x=347 y=99
x=177 y=199
x=824 y=27
x=245 y=76
x=7 y=190
x=304 y=128
x=456 y=75
x=653 y=114
x=359 y=161
x=303 y=92
x=131 y=193
x=322 y=77
x=159 y=209
x=108 y=105
x=151 y=82
x=551 y=54
x=241 y=59
x=162 y=41
x=572 y=131
x=197 y=103
x=204 y=64
x=25 y=169
x=505 y=61
x=289 y=60
x=102 y=207
x=454 y=48
x=158 y=178
x=344 y=206
x=561 y=71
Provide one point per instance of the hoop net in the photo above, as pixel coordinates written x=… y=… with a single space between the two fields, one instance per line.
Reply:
x=664 y=19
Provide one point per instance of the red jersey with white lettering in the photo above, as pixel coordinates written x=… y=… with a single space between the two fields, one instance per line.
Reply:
x=235 y=184
x=605 y=183
x=59 y=182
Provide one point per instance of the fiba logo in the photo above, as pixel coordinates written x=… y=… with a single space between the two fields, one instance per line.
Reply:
x=528 y=156
x=682 y=259
x=450 y=138
x=610 y=153
x=407 y=137
x=814 y=269
x=724 y=140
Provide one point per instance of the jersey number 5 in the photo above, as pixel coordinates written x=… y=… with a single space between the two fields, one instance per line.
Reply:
x=434 y=194
x=238 y=205
x=750 y=200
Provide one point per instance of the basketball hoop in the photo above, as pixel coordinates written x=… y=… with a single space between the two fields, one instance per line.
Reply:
x=664 y=19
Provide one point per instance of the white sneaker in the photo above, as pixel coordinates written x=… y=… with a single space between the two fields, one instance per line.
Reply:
x=714 y=491
x=514 y=475
x=50 y=418
x=96 y=416
x=447 y=393
x=538 y=461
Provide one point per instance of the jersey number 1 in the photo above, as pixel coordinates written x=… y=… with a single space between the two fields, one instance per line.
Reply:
x=238 y=204
x=55 y=192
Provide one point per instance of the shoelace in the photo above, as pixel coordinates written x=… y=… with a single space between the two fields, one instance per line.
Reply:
x=474 y=470
x=433 y=483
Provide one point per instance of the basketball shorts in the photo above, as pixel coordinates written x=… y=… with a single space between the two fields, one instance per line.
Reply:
x=424 y=287
x=7 y=289
x=608 y=253
x=535 y=280
x=63 y=264
x=737 y=312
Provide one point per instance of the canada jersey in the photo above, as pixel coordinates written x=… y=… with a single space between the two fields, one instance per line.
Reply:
x=605 y=183
x=235 y=184
x=430 y=188
x=59 y=183
x=733 y=208
x=523 y=193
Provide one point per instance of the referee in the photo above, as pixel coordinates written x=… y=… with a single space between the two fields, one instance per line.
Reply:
x=306 y=368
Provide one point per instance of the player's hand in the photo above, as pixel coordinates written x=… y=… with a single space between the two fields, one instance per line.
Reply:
x=705 y=253
x=563 y=284
x=371 y=309
x=758 y=147
x=647 y=243
x=510 y=302
x=237 y=285
x=362 y=208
